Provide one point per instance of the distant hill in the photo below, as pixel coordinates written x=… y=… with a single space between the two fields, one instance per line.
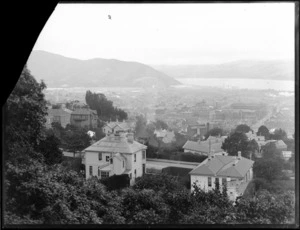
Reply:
x=250 y=69
x=60 y=71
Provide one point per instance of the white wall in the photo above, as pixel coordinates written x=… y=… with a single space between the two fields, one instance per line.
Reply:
x=91 y=159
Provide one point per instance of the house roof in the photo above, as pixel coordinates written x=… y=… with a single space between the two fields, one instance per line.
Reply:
x=115 y=144
x=84 y=112
x=279 y=144
x=203 y=146
x=122 y=125
x=222 y=166
x=214 y=139
x=59 y=112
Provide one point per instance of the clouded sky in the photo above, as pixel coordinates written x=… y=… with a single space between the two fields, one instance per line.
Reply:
x=171 y=33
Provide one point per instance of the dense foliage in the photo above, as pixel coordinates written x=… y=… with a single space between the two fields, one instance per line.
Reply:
x=72 y=138
x=237 y=141
x=104 y=107
x=214 y=132
x=243 y=128
x=263 y=131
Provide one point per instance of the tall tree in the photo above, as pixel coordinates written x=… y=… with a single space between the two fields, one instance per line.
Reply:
x=50 y=149
x=24 y=113
x=269 y=169
x=243 y=128
x=237 y=141
x=104 y=107
x=263 y=131
x=75 y=139
x=214 y=132
x=279 y=134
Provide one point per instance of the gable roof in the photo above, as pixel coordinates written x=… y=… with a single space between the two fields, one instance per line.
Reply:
x=122 y=125
x=222 y=166
x=84 y=112
x=59 y=112
x=115 y=144
x=203 y=146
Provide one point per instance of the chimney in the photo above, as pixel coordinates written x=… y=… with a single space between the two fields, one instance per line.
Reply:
x=130 y=138
x=212 y=154
x=239 y=154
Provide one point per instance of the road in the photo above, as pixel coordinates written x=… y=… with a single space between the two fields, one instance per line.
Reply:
x=161 y=163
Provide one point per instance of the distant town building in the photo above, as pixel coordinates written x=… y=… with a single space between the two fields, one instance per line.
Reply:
x=233 y=171
x=286 y=155
x=84 y=117
x=165 y=135
x=116 y=155
x=278 y=144
x=61 y=116
x=203 y=147
x=115 y=127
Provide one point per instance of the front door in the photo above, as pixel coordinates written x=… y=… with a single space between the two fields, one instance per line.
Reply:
x=144 y=169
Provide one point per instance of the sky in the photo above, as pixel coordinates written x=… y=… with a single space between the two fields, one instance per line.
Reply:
x=171 y=34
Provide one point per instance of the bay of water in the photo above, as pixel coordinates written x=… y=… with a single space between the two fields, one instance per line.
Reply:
x=278 y=85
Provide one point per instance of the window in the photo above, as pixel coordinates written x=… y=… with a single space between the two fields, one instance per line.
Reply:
x=111 y=160
x=104 y=174
x=209 y=181
x=56 y=119
x=135 y=173
x=91 y=170
x=224 y=181
x=217 y=181
x=130 y=175
x=107 y=158
x=134 y=157
x=98 y=172
x=100 y=156
x=144 y=154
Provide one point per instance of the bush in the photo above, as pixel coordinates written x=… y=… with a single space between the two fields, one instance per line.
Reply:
x=116 y=182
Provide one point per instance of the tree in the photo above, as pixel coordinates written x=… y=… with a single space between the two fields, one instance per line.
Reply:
x=279 y=134
x=237 y=141
x=252 y=147
x=263 y=131
x=270 y=151
x=160 y=182
x=75 y=139
x=266 y=208
x=144 y=207
x=269 y=169
x=24 y=114
x=50 y=149
x=159 y=124
x=242 y=128
x=214 y=132
x=104 y=107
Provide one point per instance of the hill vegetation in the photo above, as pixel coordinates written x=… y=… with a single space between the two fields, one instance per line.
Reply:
x=60 y=71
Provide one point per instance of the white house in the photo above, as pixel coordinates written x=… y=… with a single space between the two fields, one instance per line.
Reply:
x=234 y=171
x=115 y=155
x=114 y=127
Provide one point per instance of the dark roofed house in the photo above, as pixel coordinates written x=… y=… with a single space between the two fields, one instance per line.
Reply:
x=202 y=147
x=61 y=116
x=234 y=171
x=114 y=127
x=84 y=117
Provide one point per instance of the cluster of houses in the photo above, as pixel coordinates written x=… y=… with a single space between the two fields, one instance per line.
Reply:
x=119 y=153
x=80 y=117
